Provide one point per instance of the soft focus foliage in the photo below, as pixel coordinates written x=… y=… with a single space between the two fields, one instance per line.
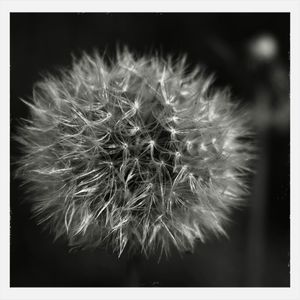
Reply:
x=137 y=152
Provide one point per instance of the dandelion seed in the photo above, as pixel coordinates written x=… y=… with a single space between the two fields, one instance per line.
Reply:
x=203 y=147
x=173 y=132
x=174 y=119
x=136 y=105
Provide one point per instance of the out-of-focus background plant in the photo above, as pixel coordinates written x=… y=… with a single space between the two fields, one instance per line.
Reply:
x=248 y=52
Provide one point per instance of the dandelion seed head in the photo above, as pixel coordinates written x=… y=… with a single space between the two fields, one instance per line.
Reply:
x=137 y=153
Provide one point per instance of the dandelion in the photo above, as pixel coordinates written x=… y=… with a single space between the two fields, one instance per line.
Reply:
x=135 y=153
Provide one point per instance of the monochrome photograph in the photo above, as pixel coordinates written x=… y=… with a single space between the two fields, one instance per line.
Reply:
x=149 y=150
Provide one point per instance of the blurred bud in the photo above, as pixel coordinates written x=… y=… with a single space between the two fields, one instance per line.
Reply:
x=263 y=48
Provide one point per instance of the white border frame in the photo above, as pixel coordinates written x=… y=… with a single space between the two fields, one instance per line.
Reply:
x=149 y=6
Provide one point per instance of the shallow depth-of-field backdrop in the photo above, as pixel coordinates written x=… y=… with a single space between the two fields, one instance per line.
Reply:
x=248 y=52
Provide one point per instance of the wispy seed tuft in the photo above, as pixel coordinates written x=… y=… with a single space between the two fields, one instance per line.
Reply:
x=138 y=153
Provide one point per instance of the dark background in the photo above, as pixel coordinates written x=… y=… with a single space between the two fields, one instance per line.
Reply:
x=257 y=251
